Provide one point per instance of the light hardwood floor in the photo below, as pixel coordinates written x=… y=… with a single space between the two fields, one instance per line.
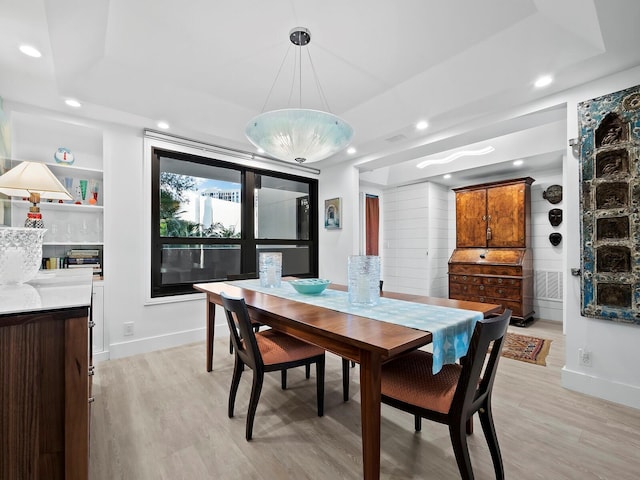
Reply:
x=162 y=416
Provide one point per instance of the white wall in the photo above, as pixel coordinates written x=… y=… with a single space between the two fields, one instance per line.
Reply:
x=614 y=374
x=414 y=252
x=337 y=244
x=127 y=257
x=547 y=259
x=439 y=253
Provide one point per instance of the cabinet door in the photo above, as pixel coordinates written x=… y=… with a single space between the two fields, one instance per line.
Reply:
x=98 y=318
x=471 y=224
x=506 y=216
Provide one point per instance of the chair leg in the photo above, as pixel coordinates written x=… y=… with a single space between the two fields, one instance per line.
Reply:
x=345 y=379
x=256 y=388
x=459 y=442
x=486 y=420
x=235 y=381
x=283 y=379
x=230 y=347
x=320 y=385
x=417 y=420
x=307 y=371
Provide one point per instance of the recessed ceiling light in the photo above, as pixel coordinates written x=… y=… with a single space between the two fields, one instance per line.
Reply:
x=422 y=125
x=260 y=150
x=351 y=150
x=73 y=103
x=517 y=163
x=543 y=81
x=163 y=125
x=30 y=51
x=454 y=155
x=448 y=175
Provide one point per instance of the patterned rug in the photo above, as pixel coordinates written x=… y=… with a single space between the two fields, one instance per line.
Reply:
x=526 y=349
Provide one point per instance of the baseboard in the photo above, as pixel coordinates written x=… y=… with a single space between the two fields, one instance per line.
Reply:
x=100 y=356
x=159 y=342
x=617 y=392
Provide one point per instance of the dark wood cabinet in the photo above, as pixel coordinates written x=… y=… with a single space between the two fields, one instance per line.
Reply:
x=45 y=388
x=493 y=260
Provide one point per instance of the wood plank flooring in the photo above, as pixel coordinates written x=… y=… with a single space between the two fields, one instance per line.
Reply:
x=162 y=416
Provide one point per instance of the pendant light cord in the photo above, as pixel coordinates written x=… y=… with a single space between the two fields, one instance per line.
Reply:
x=275 y=80
x=297 y=68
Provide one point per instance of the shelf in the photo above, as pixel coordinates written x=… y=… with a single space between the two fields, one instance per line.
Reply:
x=44 y=206
x=62 y=169
x=72 y=243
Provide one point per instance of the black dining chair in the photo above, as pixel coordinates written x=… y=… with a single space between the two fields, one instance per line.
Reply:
x=456 y=393
x=266 y=351
x=256 y=325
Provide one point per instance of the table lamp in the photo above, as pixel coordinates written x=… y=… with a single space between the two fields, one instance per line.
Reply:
x=35 y=181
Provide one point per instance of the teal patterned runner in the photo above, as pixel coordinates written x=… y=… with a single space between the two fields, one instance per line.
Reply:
x=451 y=328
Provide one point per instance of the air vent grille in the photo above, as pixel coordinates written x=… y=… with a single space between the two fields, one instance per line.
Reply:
x=396 y=138
x=548 y=285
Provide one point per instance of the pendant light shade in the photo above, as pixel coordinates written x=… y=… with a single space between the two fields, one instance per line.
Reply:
x=299 y=134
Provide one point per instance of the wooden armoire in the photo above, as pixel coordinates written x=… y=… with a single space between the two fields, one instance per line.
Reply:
x=493 y=262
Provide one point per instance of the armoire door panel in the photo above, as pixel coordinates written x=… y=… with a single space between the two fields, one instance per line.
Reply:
x=506 y=216
x=471 y=224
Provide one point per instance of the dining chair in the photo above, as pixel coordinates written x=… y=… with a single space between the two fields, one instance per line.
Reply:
x=266 y=351
x=256 y=325
x=456 y=393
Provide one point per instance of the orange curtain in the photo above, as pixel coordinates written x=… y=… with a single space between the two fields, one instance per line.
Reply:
x=372 y=214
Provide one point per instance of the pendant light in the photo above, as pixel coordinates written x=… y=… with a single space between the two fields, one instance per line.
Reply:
x=299 y=134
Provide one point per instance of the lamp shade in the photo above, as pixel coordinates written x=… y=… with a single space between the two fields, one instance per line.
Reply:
x=32 y=177
x=297 y=134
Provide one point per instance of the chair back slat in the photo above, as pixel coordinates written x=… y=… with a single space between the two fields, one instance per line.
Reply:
x=478 y=369
x=243 y=337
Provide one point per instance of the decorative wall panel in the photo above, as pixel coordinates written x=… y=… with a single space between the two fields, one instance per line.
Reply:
x=610 y=203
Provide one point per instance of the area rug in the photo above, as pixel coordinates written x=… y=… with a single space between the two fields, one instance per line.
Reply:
x=526 y=349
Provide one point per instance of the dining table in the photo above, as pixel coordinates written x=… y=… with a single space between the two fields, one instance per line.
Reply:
x=355 y=334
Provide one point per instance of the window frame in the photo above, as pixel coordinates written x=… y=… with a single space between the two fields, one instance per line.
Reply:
x=248 y=242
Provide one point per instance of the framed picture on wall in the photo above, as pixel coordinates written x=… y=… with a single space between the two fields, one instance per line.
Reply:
x=333 y=213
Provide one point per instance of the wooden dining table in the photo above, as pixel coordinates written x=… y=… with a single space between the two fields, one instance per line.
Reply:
x=364 y=340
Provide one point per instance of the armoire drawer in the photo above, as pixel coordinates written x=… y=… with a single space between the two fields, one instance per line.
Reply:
x=507 y=281
x=465 y=279
x=476 y=269
x=499 y=291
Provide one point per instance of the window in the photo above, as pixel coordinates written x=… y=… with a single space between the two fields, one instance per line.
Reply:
x=210 y=219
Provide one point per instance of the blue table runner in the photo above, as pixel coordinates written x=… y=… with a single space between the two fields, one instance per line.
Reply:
x=451 y=328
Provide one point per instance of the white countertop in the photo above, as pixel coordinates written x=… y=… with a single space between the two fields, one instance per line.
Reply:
x=49 y=290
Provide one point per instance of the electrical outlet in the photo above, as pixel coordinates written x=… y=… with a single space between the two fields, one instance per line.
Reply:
x=584 y=357
x=128 y=329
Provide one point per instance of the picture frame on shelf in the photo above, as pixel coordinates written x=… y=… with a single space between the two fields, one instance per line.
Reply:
x=333 y=213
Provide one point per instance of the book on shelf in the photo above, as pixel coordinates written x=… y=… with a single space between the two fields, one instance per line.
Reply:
x=83 y=252
x=97 y=269
x=82 y=260
x=52 y=263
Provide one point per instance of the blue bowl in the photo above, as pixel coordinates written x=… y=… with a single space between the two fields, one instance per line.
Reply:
x=310 y=286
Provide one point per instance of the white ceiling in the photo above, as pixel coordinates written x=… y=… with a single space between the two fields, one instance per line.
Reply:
x=207 y=67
